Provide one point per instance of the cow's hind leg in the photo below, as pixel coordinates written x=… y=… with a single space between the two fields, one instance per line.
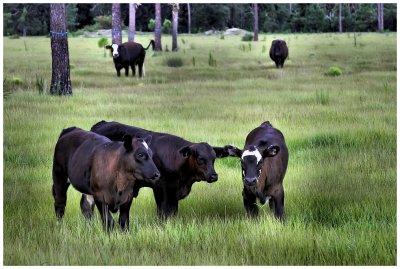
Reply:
x=133 y=70
x=249 y=201
x=279 y=201
x=87 y=206
x=126 y=71
x=59 y=190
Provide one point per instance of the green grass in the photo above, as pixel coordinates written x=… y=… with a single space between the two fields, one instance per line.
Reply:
x=340 y=186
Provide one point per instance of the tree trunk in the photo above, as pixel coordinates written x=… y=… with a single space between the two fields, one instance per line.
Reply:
x=175 y=10
x=255 y=10
x=290 y=8
x=60 y=76
x=188 y=7
x=132 y=21
x=116 y=24
x=340 y=18
x=157 y=29
x=380 y=17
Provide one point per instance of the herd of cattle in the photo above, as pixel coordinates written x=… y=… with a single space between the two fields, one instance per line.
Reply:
x=110 y=163
x=130 y=54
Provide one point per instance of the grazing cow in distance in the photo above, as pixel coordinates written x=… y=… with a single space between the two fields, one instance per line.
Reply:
x=264 y=161
x=278 y=52
x=128 y=55
x=181 y=163
x=105 y=170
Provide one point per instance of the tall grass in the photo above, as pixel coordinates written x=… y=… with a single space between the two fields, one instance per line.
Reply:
x=340 y=187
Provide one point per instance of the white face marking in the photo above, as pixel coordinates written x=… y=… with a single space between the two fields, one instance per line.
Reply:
x=255 y=153
x=145 y=145
x=115 y=49
x=89 y=199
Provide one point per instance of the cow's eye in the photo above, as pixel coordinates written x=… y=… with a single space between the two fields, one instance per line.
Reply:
x=141 y=156
x=201 y=161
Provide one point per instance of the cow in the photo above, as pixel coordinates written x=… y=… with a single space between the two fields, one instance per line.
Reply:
x=181 y=163
x=278 y=52
x=128 y=55
x=104 y=169
x=264 y=161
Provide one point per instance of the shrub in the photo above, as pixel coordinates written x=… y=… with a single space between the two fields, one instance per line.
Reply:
x=103 y=22
x=174 y=61
x=152 y=24
x=14 y=36
x=167 y=27
x=334 y=71
x=247 y=37
x=102 y=42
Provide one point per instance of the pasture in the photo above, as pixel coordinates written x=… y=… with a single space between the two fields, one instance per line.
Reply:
x=340 y=186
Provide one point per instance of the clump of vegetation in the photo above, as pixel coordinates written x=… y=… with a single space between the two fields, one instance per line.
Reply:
x=247 y=37
x=40 y=85
x=102 y=42
x=334 y=71
x=322 y=97
x=194 y=61
x=264 y=49
x=183 y=41
x=192 y=46
x=174 y=61
x=14 y=36
x=222 y=37
x=211 y=60
x=17 y=81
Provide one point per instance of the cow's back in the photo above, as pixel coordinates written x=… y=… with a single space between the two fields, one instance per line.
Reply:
x=134 y=50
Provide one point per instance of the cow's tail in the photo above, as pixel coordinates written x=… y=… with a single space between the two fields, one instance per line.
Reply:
x=66 y=131
x=97 y=125
x=152 y=45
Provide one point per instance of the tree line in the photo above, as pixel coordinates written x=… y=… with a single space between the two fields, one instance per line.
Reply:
x=34 y=19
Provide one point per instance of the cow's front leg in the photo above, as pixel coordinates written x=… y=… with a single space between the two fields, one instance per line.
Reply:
x=126 y=71
x=249 y=201
x=124 y=215
x=107 y=219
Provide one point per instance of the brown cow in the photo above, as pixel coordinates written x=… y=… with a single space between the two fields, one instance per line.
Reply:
x=181 y=163
x=104 y=169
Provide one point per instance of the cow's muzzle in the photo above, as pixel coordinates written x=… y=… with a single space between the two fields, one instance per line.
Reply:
x=250 y=181
x=212 y=178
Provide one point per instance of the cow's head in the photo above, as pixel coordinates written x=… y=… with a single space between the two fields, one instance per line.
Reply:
x=200 y=160
x=116 y=50
x=252 y=161
x=138 y=158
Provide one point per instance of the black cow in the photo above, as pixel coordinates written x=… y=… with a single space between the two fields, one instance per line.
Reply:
x=104 y=169
x=278 y=52
x=128 y=55
x=264 y=161
x=180 y=162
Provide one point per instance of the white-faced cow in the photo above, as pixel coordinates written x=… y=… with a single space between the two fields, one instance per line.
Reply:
x=181 y=163
x=127 y=55
x=264 y=161
x=104 y=169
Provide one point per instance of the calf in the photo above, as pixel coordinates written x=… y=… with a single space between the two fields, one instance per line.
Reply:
x=263 y=175
x=181 y=163
x=278 y=52
x=106 y=170
x=128 y=55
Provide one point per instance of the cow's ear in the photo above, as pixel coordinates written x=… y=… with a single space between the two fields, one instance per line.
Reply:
x=226 y=151
x=108 y=47
x=127 y=142
x=271 y=151
x=147 y=139
x=185 y=151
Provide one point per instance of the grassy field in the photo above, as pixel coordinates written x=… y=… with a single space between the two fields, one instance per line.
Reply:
x=341 y=134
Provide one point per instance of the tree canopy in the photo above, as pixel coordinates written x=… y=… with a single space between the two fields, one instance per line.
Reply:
x=33 y=19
